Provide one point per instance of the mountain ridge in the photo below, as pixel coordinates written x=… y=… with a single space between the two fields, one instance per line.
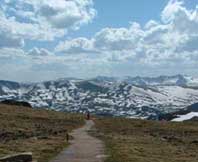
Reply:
x=139 y=97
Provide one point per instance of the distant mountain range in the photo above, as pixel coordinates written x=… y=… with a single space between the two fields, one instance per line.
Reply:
x=178 y=80
x=133 y=97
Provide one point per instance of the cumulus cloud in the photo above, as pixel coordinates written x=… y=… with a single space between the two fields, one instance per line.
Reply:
x=24 y=67
x=108 y=39
x=66 y=14
x=11 y=53
x=156 y=41
x=76 y=46
x=188 y=44
x=8 y=40
x=29 y=31
x=166 y=46
x=39 y=52
x=170 y=11
x=44 y=19
x=118 y=38
x=181 y=19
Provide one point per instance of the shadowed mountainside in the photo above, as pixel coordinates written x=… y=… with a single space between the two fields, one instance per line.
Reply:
x=15 y=103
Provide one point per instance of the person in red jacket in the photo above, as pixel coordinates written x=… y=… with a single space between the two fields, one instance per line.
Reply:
x=88 y=116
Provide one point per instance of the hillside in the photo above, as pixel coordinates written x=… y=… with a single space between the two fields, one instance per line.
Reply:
x=188 y=113
x=129 y=140
x=42 y=132
x=138 y=97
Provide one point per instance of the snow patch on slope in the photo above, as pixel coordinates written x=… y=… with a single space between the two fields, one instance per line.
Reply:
x=188 y=116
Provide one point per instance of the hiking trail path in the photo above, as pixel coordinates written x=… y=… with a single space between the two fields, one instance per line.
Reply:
x=83 y=148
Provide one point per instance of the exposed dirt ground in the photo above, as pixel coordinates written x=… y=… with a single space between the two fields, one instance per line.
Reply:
x=84 y=148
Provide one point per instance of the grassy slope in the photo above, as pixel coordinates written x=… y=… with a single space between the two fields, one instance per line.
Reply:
x=146 y=141
x=39 y=131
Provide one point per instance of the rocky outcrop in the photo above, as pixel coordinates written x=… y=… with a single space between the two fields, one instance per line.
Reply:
x=18 y=103
x=23 y=157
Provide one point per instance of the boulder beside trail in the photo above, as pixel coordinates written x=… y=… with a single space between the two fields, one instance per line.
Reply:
x=23 y=157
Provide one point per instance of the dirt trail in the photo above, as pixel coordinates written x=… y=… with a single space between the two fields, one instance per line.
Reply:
x=84 y=148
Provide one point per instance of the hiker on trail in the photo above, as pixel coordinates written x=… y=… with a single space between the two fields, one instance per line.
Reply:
x=88 y=116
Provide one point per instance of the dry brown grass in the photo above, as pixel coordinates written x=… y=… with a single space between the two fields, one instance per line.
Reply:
x=130 y=140
x=42 y=132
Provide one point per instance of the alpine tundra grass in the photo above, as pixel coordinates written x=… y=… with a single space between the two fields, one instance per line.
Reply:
x=129 y=140
x=42 y=132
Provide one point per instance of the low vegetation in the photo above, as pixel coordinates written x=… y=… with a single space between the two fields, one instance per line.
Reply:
x=42 y=132
x=129 y=140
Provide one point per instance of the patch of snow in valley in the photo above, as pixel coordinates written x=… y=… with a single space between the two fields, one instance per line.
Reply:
x=188 y=116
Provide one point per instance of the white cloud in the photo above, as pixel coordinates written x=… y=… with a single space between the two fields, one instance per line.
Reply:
x=151 y=24
x=24 y=67
x=156 y=34
x=164 y=47
x=39 y=52
x=108 y=39
x=29 y=31
x=8 y=40
x=118 y=38
x=76 y=46
x=178 y=30
x=182 y=20
x=189 y=44
x=44 y=19
x=170 y=11
x=11 y=53
x=67 y=14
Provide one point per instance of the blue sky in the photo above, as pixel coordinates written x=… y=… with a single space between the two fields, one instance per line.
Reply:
x=120 y=13
x=47 y=39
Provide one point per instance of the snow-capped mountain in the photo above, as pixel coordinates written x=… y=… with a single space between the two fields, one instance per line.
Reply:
x=178 y=80
x=140 y=97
